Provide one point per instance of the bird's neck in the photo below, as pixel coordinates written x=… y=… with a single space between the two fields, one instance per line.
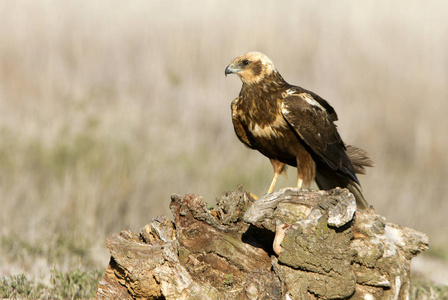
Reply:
x=262 y=100
x=271 y=83
x=266 y=88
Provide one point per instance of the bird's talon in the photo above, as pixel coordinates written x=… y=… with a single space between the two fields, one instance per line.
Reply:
x=254 y=196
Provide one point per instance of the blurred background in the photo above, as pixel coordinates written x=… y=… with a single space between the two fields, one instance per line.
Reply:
x=109 y=107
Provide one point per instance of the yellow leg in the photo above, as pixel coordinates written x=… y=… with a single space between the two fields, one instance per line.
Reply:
x=279 y=168
x=274 y=180
x=299 y=183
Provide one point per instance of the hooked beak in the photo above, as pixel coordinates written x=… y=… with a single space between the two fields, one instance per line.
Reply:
x=231 y=70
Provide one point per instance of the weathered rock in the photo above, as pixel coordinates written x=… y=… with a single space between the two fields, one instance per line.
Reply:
x=325 y=251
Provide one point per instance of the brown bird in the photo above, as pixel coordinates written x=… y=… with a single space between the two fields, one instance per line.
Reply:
x=293 y=126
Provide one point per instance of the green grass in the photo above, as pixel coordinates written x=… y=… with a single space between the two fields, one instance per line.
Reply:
x=78 y=284
x=439 y=252
x=81 y=284
x=425 y=290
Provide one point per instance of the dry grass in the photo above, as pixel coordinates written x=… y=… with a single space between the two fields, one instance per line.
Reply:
x=108 y=107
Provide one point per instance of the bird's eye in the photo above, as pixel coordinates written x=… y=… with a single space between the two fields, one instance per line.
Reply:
x=245 y=62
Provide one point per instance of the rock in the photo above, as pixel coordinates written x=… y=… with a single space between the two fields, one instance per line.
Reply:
x=325 y=250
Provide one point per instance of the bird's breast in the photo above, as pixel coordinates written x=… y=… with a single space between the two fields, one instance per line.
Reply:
x=273 y=129
x=267 y=130
x=262 y=119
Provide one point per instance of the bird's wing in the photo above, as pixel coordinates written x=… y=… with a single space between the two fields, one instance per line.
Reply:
x=239 y=128
x=314 y=124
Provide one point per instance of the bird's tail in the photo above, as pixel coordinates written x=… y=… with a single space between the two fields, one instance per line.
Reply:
x=359 y=158
x=327 y=179
x=330 y=182
x=355 y=189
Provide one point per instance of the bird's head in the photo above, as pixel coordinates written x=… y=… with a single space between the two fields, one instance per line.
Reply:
x=251 y=67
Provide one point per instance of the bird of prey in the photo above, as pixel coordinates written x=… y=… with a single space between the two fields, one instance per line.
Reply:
x=293 y=126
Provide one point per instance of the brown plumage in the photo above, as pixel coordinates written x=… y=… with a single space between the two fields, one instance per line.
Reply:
x=293 y=126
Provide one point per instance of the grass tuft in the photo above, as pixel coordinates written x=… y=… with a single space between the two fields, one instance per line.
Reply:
x=426 y=290
x=78 y=284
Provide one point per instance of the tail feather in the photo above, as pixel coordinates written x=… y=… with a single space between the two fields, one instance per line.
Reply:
x=327 y=178
x=330 y=181
x=359 y=158
x=356 y=190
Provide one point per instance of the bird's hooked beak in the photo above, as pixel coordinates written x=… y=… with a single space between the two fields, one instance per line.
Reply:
x=231 y=69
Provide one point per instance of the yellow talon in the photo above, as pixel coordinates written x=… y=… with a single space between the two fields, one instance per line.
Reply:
x=254 y=196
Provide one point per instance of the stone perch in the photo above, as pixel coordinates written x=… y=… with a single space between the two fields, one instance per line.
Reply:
x=292 y=244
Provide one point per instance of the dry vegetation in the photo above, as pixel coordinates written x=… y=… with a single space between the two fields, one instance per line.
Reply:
x=108 y=107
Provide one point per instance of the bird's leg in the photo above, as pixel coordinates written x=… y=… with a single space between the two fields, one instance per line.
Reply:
x=274 y=180
x=299 y=182
x=306 y=170
x=279 y=167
